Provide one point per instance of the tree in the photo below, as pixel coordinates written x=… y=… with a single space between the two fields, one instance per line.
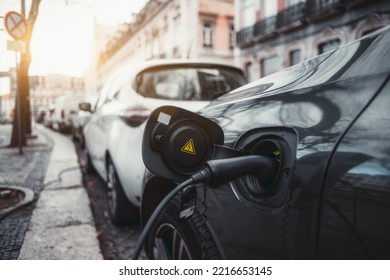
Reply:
x=23 y=84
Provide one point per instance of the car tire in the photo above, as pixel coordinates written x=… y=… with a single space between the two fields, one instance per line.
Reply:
x=81 y=138
x=88 y=167
x=172 y=237
x=122 y=211
x=74 y=134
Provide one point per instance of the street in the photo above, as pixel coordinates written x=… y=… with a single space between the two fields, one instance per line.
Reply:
x=58 y=223
x=232 y=129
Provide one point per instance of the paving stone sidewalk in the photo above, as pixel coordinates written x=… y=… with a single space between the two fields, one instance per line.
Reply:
x=58 y=224
x=27 y=171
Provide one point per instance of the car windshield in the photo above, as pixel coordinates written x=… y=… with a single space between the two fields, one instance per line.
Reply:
x=188 y=83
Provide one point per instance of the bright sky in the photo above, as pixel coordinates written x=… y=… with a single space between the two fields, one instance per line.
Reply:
x=63 y=33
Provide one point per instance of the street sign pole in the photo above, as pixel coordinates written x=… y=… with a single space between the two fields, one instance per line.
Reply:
x=18 y=106
x=16 y=26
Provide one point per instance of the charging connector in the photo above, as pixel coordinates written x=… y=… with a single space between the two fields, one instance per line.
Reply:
x=222 y=171
x=217 y=172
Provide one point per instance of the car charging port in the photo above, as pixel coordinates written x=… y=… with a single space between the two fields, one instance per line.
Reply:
x=271 y=149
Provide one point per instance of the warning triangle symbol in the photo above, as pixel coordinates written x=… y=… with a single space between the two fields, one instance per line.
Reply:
x=189 y=147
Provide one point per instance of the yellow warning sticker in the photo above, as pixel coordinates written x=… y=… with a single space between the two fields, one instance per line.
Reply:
x=189 y=147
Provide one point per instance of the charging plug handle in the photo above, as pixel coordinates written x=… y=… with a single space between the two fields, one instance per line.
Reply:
x=221 y=171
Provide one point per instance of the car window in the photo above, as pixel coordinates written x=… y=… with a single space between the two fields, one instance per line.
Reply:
x=111 y=87
x=188 y=83
x=122 y=94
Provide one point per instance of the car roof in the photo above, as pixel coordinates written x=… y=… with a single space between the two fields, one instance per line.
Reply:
x=144 y=65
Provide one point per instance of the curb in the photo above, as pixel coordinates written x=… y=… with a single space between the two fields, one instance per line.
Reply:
x=62 y=225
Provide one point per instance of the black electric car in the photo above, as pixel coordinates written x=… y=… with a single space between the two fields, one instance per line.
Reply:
x=321 y=186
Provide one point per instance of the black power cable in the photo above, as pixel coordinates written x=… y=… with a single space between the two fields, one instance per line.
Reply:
x=216 y=173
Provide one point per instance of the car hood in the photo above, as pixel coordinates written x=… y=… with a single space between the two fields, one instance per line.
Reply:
x=317 y=98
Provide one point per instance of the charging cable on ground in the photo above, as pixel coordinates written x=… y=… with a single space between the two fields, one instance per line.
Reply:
x=30 y=197
x=63 y=171
x=216 y=173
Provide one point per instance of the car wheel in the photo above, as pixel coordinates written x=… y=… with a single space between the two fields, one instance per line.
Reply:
x=122 y=211
x=81 y=138
x=175 y=238
x=88 y=166
x=74 y=134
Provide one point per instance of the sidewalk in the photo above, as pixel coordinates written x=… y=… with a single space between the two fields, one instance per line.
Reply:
x=61 y=225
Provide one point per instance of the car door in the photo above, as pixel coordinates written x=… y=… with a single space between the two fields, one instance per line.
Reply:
x=355 y=209
x=98 y=128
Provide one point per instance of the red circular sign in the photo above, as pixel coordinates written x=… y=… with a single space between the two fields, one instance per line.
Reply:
x=16 y=25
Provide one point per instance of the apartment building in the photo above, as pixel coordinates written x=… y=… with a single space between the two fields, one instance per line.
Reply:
x=44 y=90
x=275 y=34
x=172 y=29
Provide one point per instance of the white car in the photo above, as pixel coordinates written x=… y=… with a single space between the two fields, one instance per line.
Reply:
x=113 y=135
x=80 y=119
x=65 y=108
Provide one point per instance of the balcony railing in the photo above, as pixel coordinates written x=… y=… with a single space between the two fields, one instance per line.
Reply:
x=267 y=26
x=321 y=8
x=245 y=35
x=271 y=25
x=294 y=16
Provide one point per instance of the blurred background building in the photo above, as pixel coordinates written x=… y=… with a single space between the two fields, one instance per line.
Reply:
x=7 y=94
x=275 y=34
x=260 y=36
x=171 y=29
x=44 y=90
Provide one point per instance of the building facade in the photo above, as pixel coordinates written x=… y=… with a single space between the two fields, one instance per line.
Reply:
x=44 y=90
x=172 y=29
x=7 y=92
x=275 y=34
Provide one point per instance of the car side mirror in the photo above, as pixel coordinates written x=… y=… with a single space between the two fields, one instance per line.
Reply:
x=85 y=106
x=177 y=143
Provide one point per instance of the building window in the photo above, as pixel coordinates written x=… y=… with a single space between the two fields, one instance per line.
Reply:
x=295 y=57
x=177 y=33
x=248 y=71
x=232 y=37
x=328 y=46
x=155 y=47
x=248 y=12
x=270 y=8
x=294 y=2
x=328 y=3
x=269 y=65
x=208 y=34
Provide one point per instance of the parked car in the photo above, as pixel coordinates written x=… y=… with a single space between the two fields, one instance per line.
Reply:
x=114 y=132
x=65 y=107
x=48 y=118
x=40 y=115
x=324 y=124
x=5 y=118
x=80 y=119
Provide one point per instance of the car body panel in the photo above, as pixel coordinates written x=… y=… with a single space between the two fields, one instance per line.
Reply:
x=319 y=107
x=355 y=209
x=319 y=99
